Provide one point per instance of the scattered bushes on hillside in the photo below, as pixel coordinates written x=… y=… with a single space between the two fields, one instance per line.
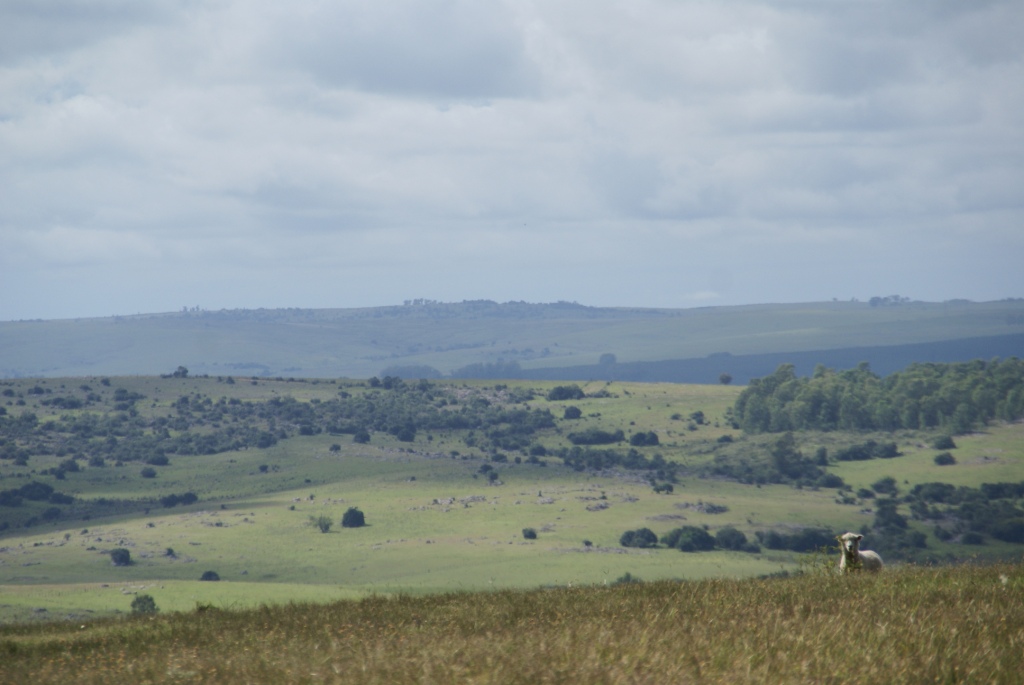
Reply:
x=784 y=463
x=589 y=459
x=993 y=509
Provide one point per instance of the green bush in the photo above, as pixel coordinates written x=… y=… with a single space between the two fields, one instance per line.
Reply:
x=529 y=534
x=944 y=459
x=730 y=538
x=322 y=522
x=642 y=538
x=565 y=392
x=689 y=539
x=353 y=518
x=144 y=604
x=210 y=576
x=121 y=557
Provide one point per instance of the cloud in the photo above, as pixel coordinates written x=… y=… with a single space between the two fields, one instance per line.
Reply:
x=513 y=150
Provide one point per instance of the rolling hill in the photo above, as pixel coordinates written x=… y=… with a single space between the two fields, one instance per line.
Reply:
x=515 y=339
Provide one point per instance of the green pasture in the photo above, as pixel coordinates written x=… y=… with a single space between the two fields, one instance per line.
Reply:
x=435 y=524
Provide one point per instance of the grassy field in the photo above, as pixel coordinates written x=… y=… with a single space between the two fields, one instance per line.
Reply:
x=359 y=343
x=435 y=524
x=909 y=625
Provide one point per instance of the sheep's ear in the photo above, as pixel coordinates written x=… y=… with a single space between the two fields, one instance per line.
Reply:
x=859 y=538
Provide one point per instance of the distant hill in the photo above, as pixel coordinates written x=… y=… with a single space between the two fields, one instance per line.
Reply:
x=558 y=340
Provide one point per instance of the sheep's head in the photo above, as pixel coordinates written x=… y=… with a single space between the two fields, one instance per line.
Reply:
x=850 y=544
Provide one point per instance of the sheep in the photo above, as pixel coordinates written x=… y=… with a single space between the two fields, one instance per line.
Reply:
x=855 y=559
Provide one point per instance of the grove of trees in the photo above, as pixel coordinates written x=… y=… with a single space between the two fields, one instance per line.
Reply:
x=956 y=397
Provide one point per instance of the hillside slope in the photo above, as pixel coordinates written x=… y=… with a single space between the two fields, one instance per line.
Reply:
x=443 y=338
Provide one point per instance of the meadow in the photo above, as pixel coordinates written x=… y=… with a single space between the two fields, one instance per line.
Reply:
x=908 y=625
x=436 y=522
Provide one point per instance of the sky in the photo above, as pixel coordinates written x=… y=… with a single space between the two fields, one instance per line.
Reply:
x=230 y=154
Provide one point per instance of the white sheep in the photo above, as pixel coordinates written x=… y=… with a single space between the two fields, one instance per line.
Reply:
x=854 y=558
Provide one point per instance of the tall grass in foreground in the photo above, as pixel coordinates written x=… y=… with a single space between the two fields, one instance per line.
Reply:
x=909 y=625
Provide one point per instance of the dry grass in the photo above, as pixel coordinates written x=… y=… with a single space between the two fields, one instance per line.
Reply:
x=910 y=625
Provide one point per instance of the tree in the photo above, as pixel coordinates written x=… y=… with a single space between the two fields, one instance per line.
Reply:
x=148 y=472
x=210 y=576
x=572 y=413
x=353 y=518
x=144 y=604
x=121 y=557
x=180 y=372
x=529 y=534
x=322 y=522
x=725 y=379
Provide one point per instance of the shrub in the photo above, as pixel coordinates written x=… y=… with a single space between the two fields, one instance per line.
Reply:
x=944 y=459
x=642 y=538
x=572 y=413
x=210 y=576
x=158 y=460
x=689 y=539
x=353 y=518
x=944 y=442
x=361 y=437
x=885 y=486
x=972 y=538
x=565 y=392
x=596 y=436
x=322 y=522
x=529 y=534
x=144 y=604
x=148 y=472
x=121 y=557
x=644 y=439
x=626 y=578
x=1009 y=530
x=730 y=538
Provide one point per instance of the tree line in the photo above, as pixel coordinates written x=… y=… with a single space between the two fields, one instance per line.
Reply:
x=956 y=397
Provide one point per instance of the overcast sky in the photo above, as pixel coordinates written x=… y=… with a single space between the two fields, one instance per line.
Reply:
x=247 y=153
